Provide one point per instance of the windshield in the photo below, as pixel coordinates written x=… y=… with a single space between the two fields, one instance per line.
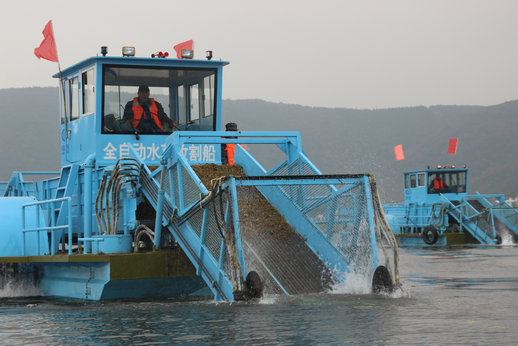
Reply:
x=447 y=182
x=148 y=100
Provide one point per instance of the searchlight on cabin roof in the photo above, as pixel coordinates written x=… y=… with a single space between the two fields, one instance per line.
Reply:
x=128 y=51
x=444 y=166
x=187 y=54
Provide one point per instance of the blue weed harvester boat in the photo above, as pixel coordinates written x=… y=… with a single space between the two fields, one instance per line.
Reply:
x=446 y=214
x=129 y=216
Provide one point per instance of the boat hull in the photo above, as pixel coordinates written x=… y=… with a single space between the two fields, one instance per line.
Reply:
x=165 y=273
x=444 y=239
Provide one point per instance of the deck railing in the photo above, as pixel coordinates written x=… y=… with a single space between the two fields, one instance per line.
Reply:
x=48 y=224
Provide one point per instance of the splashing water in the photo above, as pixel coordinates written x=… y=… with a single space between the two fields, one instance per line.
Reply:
x=507 y=239
x=354 y=284
x=15 y=288
x=512 y=201
x=268 y=299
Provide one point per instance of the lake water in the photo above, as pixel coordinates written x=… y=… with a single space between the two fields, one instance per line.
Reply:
x=457 y=295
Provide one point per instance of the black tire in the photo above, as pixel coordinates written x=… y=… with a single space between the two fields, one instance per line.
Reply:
x=381 y=280
x=253 y=288
x=498 y=239
x=254 y=285
x=430 y=235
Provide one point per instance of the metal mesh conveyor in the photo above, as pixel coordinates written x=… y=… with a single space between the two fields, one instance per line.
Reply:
x=272 y=247
x=488 y=218
x=275 y=251
x=484 y=220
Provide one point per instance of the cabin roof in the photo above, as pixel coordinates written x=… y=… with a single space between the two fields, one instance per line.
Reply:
x=135 y=61
x=437 y=170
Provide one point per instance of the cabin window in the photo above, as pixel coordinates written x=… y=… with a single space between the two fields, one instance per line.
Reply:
x=62 y=97
x=462 y=178
x=458 y=182
x=182 y=110
x=412 y=180
x=88 y=88
x=407 y=181
x=452 y=182
x=119 y=103
x=74 y=99
x=195 y=102
x=208 y=96
x=452 y=179
x=421 y=181
x=183 y=97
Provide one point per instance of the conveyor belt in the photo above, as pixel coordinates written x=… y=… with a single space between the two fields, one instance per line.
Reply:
x=275 y=251
x=476 y=204
x=500 y=228
x=271 y=246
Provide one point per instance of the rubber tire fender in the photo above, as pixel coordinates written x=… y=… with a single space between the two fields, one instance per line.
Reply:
x=430 y=235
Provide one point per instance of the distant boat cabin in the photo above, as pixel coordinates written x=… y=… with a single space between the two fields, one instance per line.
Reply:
x=427 y=185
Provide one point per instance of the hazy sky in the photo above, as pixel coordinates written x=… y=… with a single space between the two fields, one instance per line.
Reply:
x=330 y=53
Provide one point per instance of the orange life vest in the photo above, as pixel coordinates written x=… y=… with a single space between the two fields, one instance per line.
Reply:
x=230 y=148
x=138 y=110
x=438 y=184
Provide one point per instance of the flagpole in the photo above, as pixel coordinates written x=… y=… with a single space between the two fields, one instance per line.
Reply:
x=455 y=155
x=61 y=81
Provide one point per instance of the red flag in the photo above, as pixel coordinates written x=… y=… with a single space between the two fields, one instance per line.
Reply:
x=452 y=148
x=184 y=45
x=47 y=48
x=398 y=152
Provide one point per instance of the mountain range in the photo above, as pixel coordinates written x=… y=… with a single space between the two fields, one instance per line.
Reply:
x=336 y=140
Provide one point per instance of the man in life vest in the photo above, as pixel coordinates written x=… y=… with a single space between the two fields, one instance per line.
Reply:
x=228 y=150
x=145 y=115
x=437 y=184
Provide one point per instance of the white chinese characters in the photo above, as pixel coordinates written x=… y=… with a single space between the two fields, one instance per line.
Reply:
x=192 y=152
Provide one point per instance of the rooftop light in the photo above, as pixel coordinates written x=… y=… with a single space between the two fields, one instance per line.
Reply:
x=128 y=51
x=160 y=55
x=187 y=54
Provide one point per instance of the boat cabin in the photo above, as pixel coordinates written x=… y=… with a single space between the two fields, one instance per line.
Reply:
x=98 y=94
x=427 y=186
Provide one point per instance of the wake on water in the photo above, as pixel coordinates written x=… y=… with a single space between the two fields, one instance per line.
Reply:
x=355 y=285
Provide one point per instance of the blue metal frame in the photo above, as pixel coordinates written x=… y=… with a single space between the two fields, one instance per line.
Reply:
x=295 y=205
